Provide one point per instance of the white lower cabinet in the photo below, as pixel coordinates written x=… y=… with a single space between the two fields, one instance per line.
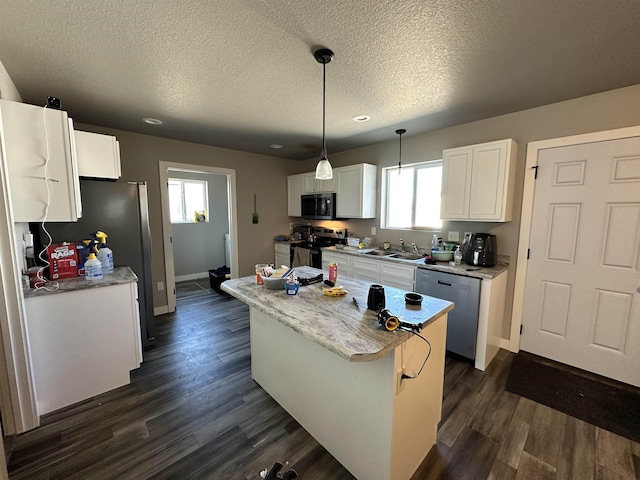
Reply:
x=82 y=343
x=371 y=270
x=343 y=261
x=282 y=254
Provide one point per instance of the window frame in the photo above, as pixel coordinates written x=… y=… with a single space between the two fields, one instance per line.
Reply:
x=384 y=204
x=186 y=220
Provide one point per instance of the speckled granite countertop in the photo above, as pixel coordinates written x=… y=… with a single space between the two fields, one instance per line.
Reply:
x=335 y=322
x=120 y=275
x=464 y=269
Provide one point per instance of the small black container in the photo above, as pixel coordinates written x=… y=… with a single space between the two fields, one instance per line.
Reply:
x=376 y=299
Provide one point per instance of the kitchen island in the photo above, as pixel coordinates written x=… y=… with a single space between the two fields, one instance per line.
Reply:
x=328 y=363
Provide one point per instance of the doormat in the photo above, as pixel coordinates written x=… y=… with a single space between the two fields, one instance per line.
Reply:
x=605 y=403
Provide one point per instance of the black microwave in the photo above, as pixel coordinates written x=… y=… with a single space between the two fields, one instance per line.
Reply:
x=320 y=206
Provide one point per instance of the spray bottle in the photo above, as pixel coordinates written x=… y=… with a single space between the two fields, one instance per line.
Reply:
x=105 y=255
x=93 y=266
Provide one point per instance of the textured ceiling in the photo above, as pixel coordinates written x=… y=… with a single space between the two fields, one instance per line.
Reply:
x=240 y=74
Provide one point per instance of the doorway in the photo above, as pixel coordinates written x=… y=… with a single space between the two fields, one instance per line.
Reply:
x=576 y=296
x=168 y=170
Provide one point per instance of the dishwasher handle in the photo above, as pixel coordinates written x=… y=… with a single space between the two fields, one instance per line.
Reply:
x=440 y=282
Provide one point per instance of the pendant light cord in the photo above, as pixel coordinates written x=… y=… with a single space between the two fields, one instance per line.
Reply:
x=400 y=131
x=400 y=154
x=324 y=99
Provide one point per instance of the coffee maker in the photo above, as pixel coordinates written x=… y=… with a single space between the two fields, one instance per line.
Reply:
x=482 y=250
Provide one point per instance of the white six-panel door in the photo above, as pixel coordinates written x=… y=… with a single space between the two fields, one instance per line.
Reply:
x=582 y=292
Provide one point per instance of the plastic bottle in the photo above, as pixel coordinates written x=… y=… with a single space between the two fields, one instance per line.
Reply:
x=105 y=254
x=434 y=243
x=457 y=256
x=92 y=268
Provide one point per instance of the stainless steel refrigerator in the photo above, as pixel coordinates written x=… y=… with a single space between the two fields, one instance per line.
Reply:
x=120 y=210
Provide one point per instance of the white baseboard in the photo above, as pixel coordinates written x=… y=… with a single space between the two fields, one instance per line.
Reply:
x=192 y=276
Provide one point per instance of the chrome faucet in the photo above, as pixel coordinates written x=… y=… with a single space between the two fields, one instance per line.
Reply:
x=401 y=246
x=415 y=248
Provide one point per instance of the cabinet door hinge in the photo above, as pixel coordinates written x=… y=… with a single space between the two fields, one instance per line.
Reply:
x=535 y=176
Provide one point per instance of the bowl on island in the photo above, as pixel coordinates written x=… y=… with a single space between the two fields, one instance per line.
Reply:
x=274 y=283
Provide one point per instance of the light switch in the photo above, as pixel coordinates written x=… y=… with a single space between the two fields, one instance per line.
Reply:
x=373 y=230
x=453 y=236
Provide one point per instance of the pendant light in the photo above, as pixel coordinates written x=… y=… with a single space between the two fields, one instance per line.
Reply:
x=400 y=131
x=323 y=169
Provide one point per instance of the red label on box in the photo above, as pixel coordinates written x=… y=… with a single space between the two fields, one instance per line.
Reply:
x=63 y=261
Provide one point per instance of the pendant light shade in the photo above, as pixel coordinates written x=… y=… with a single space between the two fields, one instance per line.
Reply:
x=323 y=169
x=400 y=131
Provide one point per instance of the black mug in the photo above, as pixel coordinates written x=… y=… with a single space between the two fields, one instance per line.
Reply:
x=375 y=300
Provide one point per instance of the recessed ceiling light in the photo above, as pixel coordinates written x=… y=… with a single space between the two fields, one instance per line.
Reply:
x=363 y=117
x=152 y=121
x=275 y=145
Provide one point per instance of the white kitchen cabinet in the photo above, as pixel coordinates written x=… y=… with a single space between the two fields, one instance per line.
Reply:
x=311 y=185
x=295 y=189
x=372 y=270
x=398 y=276
x=478 y=182
x=98 y=155
x=343 y=261
x=282 y=254
x=42 y=172
x=356 y=191
x=82 y=343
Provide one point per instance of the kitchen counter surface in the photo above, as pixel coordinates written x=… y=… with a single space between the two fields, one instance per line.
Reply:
x=335 y=322
x=464 y=269
x=120 y=275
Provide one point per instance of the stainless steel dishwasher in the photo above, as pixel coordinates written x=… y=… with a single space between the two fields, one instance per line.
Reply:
x=462 y=327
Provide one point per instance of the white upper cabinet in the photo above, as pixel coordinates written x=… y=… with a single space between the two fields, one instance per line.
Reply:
x=356 y=191
x=37 y=151
x=295 y=189
x=311 y=185
x=478 y=182
x=98 y=155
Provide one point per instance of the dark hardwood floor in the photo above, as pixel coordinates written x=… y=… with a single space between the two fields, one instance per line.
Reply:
x=193 y=412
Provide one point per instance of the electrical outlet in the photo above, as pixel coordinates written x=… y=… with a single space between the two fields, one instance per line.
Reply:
x=399 y=382
x=373 y=230
x=467 y=233
x=160 y=286
x=453 y=236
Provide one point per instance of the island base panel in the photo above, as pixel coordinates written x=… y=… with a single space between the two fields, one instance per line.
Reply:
x=375 y=426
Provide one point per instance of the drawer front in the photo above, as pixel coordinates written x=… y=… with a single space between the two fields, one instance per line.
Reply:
x=402 y=272
x=401 y=284
x=366 y=265
x=366 y=276
x=328 y=257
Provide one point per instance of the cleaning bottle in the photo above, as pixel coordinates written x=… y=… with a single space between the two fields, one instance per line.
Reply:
x=105 y=254
x=92 y=268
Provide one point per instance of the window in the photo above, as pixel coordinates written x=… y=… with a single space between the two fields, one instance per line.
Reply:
x=188 y=200
x=411 y=196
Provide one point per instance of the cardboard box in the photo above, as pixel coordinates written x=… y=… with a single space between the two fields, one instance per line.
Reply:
x=63 y=261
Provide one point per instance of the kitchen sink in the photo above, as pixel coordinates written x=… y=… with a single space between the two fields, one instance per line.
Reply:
x=379 y=253
x=406 y=256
